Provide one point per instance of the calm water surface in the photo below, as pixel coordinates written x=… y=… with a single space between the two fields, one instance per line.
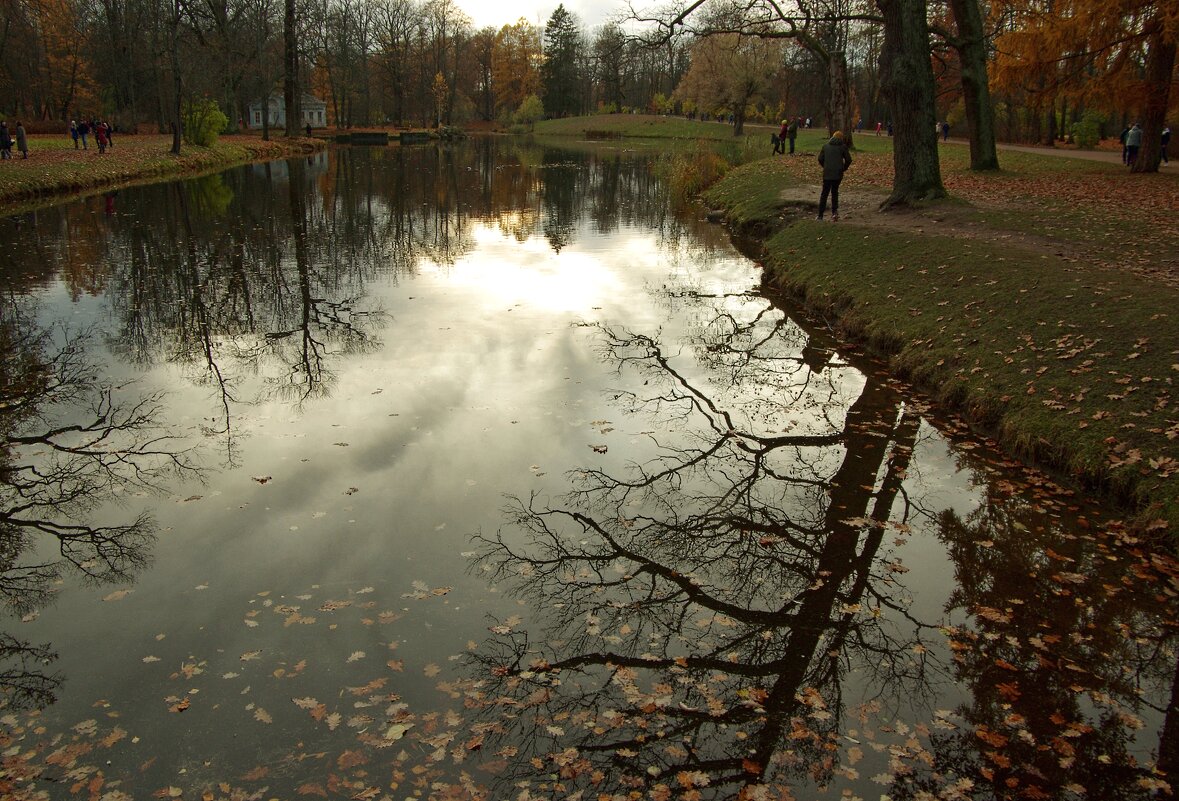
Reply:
x=477 y=472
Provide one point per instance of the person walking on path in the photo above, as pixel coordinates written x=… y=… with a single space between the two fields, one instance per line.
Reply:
x=835 y=159
x=74 y=132
x=945 y=131
x=1122 y=139
x=792 y=133
x=1164 y=140
x=1133 y=142
x=83 y=129
x=100 y=137
x=22 y=140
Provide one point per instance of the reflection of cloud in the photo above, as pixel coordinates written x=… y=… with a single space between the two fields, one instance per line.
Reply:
x=507 y=272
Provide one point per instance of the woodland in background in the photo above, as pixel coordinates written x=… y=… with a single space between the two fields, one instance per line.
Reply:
x=1054 y=69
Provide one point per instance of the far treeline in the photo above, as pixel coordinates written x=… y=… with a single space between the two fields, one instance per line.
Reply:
x=1018 y=70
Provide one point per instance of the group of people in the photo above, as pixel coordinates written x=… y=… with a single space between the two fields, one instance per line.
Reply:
x=881 y=125
x=7 y=140
x=102 y=130
x=787 y=133
x=1131 y=139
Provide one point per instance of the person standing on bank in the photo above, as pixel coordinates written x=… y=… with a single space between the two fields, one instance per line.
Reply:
x=22 y=140
x=1133 y=142
x=835 y=158
x=74 y=132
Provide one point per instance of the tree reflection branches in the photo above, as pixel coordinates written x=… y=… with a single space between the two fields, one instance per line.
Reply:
x=703 y=610
x=70 y=445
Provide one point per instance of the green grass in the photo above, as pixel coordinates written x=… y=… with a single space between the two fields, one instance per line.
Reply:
x=55 y=169
x=1069 y=360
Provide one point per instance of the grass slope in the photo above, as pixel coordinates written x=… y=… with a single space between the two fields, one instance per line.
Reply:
x=1029 y=301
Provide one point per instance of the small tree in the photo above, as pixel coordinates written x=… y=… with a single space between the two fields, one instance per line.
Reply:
x=203 y=122
x=531 y=110
x=440 y=91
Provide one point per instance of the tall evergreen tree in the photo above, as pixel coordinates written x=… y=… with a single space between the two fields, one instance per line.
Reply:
x=558 y=75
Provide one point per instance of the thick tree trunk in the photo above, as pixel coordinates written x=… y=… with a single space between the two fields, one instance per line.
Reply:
x=290 y=91
x=976 y=93
x=176 y=82
x=1160 y=62
x=907 y=85
x=840 y=97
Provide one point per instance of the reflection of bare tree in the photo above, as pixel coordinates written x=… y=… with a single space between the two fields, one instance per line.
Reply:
x=70 y=443
x=703 y=609
x=1068 y=644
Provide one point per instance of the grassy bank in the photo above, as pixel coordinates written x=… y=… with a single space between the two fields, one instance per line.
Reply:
x=55 y=169
x=1031 y=300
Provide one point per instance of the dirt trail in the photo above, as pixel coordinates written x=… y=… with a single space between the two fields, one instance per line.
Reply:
x=859 y=206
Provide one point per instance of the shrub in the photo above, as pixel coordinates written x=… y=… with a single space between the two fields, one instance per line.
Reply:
x=531 y=110
x=202 y=121
x=689 y=172
x=1087 y=131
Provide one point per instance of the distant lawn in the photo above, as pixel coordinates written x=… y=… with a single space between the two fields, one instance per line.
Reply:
x=54 y=168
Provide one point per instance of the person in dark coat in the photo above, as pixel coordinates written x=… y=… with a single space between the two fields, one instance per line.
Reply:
x=1164 y=140
x=1123 y=137
x=5 y=141
x=74 y=132
x=835 y=158
x=22 y=140
x=792 y=133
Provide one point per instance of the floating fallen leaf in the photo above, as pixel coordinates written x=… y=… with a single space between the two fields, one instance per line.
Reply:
x=397 y=731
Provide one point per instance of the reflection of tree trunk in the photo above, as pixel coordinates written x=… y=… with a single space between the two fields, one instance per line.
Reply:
x=852 y=496
x=1169 y=739
x=200 y=323
x=308 y=350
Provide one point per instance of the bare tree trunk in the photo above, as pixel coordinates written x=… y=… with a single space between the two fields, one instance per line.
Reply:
x=907 y=85
x=976 y=93
x=839 y=96
x=1160 y=62
x=176 y=83
x=290 y=91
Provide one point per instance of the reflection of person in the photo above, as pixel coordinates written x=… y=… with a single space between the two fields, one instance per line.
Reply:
x=109 y=203
x=835 y=159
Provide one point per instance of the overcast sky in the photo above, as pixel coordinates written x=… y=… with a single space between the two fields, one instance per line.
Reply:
x=498 y=13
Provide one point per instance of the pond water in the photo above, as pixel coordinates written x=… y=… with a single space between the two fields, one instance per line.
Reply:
x=478 y=472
